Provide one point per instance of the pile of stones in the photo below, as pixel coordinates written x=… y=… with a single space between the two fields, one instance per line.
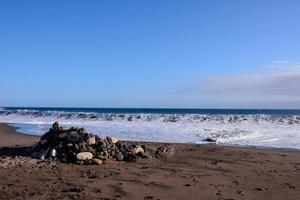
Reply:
x=75 y=145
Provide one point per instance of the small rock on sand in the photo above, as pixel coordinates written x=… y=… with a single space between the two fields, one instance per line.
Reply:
x=210 y=140
x=97 y=161
x=138 y=149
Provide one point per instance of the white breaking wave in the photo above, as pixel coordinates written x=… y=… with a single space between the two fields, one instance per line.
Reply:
x=282 y=131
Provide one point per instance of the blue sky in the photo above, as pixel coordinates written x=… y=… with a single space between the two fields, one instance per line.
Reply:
x=188 y=54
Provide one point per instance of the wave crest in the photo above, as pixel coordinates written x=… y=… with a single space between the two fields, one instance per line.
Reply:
x=146 y=117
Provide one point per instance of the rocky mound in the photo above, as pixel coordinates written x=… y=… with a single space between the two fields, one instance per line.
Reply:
x=75 y=145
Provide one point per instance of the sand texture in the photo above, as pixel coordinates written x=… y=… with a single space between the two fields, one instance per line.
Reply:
x=192 y=172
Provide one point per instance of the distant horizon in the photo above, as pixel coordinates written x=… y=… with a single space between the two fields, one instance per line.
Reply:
x=158 y=108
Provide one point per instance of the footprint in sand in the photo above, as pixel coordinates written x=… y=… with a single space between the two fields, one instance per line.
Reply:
x=258 y=189
x=240 y=192
x=290 y=186
x=151 y=198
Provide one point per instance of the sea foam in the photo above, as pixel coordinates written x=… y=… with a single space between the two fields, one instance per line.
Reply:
x=282 y=131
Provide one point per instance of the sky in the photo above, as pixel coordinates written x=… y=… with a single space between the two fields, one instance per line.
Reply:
x=141 y=53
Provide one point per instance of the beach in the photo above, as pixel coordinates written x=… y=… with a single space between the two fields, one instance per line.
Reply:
x=205 y=171
x=150 y=100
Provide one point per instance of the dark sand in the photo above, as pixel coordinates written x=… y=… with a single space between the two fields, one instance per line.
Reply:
x=194 y=172
x=9 y=137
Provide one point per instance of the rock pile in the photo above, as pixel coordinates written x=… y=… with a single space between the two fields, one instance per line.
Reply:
x=75 y=145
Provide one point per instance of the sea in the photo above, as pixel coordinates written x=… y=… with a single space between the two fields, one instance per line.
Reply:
x=237 y=127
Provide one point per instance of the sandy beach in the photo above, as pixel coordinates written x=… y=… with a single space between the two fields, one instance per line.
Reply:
x=150 y=100
x=193 y=172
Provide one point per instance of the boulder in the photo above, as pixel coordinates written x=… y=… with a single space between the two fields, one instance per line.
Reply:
x=84 y=156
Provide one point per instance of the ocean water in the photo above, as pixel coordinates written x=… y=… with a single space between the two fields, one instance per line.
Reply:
x=261 y=128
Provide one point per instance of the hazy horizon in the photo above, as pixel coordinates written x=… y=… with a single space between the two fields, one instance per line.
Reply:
x=146 y=108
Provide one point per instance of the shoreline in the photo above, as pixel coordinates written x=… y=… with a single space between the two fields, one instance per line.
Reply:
x=195 y=171
x=13 y=130
x=11 y=137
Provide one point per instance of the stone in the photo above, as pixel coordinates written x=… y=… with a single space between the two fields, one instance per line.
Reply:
x=97 y=161
x=66 y=129
x=43 y=142
x=82 y=146
x=101 y=157
x=130 y=157
x=74 y=134
x=76 y=148
x=210 y=140
x=53 y=153
x=81 y=130
x=55 y=125
x=92 y=140
x=114 y=140
x=138 y=149
x=112 y=153
x=106 y=141
x=63 y=135
x=88 y=162
x=144 y=147
x=84 y=156
x=119 y=156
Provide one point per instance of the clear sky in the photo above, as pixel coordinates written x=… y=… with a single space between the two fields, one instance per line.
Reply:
x=148 y=53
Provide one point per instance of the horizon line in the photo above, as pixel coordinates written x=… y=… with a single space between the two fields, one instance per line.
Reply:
x=149 y=108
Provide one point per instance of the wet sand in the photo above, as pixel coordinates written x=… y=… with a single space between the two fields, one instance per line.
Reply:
x=9 y=137
x=193 y=172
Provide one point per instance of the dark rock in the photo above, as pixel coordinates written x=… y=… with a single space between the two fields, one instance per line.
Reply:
x=82 y=147
x=55 y=126
x=101 y=157
x=76 y=147
x=130 y=157
x=119 y=156
x=210 y=140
